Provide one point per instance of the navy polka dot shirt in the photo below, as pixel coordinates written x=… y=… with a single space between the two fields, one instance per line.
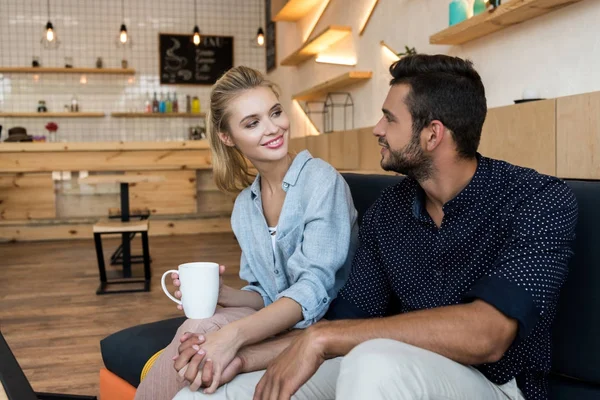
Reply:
x=506 y=239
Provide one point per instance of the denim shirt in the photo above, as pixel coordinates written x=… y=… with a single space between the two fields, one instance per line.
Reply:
x=317 y=236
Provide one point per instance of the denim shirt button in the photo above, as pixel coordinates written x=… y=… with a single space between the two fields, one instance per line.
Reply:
x=276 y=272
x=325 y=300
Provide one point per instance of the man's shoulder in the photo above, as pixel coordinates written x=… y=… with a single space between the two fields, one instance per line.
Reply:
x=397 y=197
x=522 y=183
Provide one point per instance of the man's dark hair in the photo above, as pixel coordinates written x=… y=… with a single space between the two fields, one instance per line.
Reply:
x=447 y=89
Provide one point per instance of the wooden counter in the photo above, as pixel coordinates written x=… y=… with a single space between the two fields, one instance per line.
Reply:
x=41 y=198
x=119 y=156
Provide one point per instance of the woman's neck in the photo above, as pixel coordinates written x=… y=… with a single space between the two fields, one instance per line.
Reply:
x=272 y=173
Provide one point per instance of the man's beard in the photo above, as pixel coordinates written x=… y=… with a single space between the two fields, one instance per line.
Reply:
x=410 y=161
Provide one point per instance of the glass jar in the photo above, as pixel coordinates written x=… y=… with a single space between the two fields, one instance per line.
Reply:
x=42 y=106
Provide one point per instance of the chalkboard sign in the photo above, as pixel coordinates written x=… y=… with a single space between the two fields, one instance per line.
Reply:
x=270 y=39
x=181 y=62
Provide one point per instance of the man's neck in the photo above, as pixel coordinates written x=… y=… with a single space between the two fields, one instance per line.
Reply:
x=449 y=178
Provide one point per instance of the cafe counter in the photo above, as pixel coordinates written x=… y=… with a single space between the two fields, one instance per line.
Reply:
x=41 y=197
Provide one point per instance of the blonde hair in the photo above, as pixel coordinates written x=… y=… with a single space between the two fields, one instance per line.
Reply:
x=230 y=169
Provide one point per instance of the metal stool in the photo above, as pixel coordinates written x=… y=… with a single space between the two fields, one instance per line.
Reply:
x=138 y=213
x=124 y=229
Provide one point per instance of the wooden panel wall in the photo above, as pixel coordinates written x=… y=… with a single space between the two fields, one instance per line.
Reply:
x=558 y=137
x=210 y=199
x=175 y=195
x=522 y=134
x=578 y=136
x=24 y=197
x=354 y=150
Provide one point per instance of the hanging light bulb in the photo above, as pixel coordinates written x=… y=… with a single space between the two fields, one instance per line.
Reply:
x=260 y=37
x=196 y=38
x=49 y=39
x=123 y=35
x=260 y=34
x=124 y=39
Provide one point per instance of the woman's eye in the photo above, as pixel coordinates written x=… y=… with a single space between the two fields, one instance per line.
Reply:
x=252 y=124
x=277 y=114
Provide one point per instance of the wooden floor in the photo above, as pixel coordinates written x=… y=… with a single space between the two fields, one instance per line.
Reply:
x=53 y=320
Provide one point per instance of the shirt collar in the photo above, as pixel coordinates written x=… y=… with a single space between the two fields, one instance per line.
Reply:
x=291 y=176
x=463 y=199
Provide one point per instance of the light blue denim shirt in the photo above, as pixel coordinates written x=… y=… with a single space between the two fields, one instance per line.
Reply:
x=316 y=238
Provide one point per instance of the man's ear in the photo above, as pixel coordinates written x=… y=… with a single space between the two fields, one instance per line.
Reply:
x=435 y=134
x=226 y=139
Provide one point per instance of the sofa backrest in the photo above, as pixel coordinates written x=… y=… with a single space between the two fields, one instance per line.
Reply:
x=576 y=331
x=576 y=334
x=366 y=189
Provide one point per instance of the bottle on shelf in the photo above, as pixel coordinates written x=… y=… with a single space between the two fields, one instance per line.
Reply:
x=148 y=104
x=479 y=6
x=458 y=11
x=195 y=105
x=74 y=104
x=188 y=104
x=162 y=105
x=155 y=104
x=169 y=104
x=175 y=103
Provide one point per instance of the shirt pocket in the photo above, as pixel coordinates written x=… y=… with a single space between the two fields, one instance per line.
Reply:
x=289 y=241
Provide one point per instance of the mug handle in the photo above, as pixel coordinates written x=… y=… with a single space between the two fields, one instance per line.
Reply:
x=164 y=287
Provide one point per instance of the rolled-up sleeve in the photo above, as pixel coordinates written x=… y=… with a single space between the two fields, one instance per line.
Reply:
x=247 y=275
x=526 y=279
x=325 y=251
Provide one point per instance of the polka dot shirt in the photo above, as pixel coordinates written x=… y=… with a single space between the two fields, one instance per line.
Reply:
x=506 y=239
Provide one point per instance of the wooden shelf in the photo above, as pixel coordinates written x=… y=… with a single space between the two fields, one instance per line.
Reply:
x=52 y=115
x=332 y=85
x=43 y=70
x=156 y=115
x=292 y=10
x=508 y=14
x=331 y=35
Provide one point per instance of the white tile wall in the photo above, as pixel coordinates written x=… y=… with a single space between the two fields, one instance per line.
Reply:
x=87 y=29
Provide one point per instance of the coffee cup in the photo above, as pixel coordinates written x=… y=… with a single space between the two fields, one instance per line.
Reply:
x=199 y=288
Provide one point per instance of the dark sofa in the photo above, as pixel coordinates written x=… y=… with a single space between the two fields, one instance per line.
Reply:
x=576 y=336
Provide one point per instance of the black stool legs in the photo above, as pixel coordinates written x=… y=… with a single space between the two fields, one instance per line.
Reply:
x=104 y=282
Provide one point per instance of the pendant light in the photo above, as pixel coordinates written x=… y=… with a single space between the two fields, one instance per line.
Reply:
x=260 y=34
x=196 y=34
x=260 y=37
x=49 y=39
x=124 y=38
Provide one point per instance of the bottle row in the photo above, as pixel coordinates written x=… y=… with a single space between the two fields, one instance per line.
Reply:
x=170 y=104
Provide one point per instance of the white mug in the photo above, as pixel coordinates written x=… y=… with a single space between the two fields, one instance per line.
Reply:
x=199 y=288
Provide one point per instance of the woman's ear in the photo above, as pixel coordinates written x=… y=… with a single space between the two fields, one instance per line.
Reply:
x=226 y=139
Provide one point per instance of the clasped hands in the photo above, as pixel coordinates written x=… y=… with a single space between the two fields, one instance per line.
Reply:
x=218 y=368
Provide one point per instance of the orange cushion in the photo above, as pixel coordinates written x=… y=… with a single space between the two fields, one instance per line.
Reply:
x=114 y=388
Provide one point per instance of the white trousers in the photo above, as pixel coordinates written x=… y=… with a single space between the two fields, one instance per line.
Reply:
x=380 y=369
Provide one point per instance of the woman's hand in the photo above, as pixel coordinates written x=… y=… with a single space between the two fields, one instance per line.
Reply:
x=177 y=283
x=218 y=352
x=191 y=356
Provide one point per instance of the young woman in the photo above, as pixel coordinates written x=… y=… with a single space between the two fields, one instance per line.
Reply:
x=295 y=223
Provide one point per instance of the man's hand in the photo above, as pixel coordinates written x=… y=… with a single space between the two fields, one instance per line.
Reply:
x=292 y=368
x=188 y=364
